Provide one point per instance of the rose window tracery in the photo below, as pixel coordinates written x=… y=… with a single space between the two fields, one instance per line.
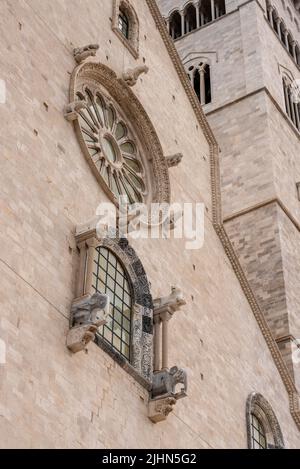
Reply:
x=112 y=146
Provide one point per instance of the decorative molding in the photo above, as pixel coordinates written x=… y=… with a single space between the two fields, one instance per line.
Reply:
x=217 y=215
x=98 y=75
x=260 y=407
x=132 y=43
x=264 y=203
x=88 y=237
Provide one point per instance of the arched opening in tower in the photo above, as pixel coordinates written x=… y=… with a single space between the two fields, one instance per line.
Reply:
x=175 y=25
x=190 y=19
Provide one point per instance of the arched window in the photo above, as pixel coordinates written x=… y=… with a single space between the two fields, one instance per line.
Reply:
x=175 y=25
x=199 y=75
x=282 y=32
x=190 y=18
x=220 y=8
x=258 y=434
x=274 y=21
x=291 y=99
x=263 y=429
x=123 y=24
x=110 y=277
x=108 y=265
x=290 y=44
x=206 y=14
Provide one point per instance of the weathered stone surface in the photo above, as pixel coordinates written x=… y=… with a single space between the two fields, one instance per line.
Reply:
x=50 y=397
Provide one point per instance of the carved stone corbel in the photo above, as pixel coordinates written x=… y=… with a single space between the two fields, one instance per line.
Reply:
x=174 y=160
x=164 y=394
x=159 y=409
x=72 y=109
x=82 y=53
x=88 y=313
x=131 y=76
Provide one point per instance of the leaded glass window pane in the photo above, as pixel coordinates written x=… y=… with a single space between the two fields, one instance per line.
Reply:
x=258 y=435
x=123 y=24
x=109 y=277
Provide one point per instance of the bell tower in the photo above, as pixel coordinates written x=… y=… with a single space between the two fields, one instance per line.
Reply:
x=243 y=60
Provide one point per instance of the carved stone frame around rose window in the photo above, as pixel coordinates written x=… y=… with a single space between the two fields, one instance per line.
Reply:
x=121 y=93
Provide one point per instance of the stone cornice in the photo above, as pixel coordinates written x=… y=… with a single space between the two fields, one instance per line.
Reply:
x=217 y=215
x=253 y=93
x=264 y=203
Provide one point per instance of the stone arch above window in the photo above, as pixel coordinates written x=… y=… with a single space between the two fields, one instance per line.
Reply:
x=125 y=24
x=110 y=266
x=117 y=137
x=263 y=429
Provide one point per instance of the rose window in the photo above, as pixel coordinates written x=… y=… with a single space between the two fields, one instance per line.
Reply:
x=112 y=146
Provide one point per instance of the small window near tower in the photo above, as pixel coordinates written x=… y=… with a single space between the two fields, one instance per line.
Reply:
x=199 y=75
x=258 y=434
x=291 y=98
x=123 y=24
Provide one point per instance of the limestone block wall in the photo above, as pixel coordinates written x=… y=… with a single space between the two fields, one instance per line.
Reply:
x=246 y=158
x=49 y=397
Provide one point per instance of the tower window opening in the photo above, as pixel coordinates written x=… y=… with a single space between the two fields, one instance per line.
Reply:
x=190 y=19
x=292 y=106
x=175 y=25
x=199 y=76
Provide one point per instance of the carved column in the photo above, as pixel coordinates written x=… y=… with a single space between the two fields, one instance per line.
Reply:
x=297 y=116
x=91 y=243
x=286 y=40
x=278 y=28
x=212 y=4
x=202 y=84
x=293 y=117
x=201 y=19
x=294 y=51
x=287 y=100
x=182 y=23
x=270 y=10
x=80 y=287
x=165 y=317
x=197 y=15
x=168 y=24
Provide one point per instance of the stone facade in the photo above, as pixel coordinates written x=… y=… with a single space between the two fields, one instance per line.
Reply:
x=259 y=151
x=50 y=397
